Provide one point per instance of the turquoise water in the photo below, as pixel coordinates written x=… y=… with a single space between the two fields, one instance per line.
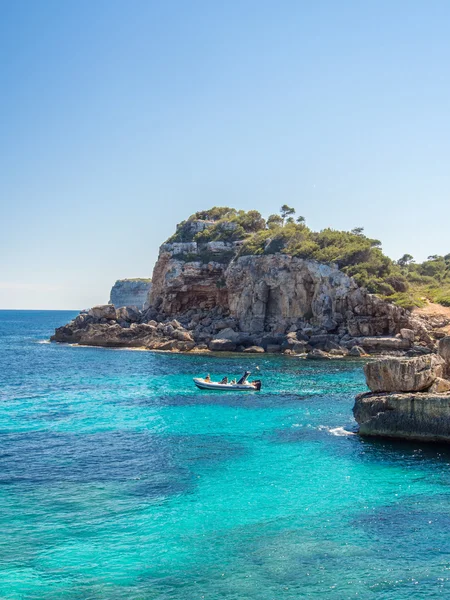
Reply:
x=118 y=479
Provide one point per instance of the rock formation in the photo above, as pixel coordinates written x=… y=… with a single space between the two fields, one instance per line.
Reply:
x=130 y=292
x=403 y=375
x=226 y=300
x=409 y=397
x=421 y=416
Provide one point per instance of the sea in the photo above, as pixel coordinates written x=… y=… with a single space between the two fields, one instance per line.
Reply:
x=120 y=480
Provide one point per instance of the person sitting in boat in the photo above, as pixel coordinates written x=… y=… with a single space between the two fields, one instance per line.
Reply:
x=208 y=378
x=244 y=378
x=233 y=382
x=224 y=380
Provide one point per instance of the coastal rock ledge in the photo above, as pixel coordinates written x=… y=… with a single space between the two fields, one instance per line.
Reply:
x=409 y=398
x=416 y=416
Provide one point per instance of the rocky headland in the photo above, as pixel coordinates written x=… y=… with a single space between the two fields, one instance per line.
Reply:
x=409 y=397
x=130 y=292
x=227 y=281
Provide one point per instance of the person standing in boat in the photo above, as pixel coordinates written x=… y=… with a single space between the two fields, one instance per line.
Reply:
x=208 y=378
x=244 y=378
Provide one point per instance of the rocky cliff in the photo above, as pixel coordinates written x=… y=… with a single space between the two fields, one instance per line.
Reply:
x=409 y=398
x=228 y=283
x=271 y=293
x=130 y=292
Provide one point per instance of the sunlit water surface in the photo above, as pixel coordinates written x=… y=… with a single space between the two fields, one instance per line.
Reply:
x=118 y=479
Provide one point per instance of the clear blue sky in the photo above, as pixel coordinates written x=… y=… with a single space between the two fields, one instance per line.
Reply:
x=119 y=119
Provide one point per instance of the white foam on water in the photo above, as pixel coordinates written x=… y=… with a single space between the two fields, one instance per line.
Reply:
x=44 y=342
x=340 y=431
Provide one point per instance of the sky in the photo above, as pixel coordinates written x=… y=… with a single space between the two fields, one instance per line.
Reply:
x=120 y=119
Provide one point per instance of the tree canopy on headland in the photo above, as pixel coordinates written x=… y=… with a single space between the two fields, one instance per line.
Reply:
x=403 y=282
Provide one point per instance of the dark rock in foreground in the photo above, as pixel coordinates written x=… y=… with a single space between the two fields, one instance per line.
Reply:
x=421 y=414
x=418 y=416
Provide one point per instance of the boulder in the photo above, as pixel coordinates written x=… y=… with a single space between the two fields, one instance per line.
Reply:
x=182 y=336
x=222 y=345
x=357 y=351
x=227 y=334
x=439 y=386
x=338 y=352
x=418 y=351
x=168 y=329
x=407 y=334
x=317 y=355
x=254 y=350
x=130 y=314
x=404 y=374
x=299 y=347
x=163 y=345
x=200 y=348
x=444 y=352
x=103 y=311
x=375 y=345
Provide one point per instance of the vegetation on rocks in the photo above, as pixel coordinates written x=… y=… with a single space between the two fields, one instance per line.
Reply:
x=403 y=282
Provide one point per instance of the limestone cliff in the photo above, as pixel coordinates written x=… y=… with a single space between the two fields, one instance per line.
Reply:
x=270 y=292
x=130 y=292
x=226 y=281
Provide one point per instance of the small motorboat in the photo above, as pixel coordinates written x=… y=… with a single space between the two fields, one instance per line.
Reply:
x=224 y=386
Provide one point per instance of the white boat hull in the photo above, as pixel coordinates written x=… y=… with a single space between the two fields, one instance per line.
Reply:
x=224 y=387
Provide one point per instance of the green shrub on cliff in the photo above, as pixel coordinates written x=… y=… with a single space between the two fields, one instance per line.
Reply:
x=354 y=253
x=232 y=227
x=404 y=282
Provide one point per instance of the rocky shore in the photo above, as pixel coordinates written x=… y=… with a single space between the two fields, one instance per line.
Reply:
x=209 y=296
x=217 y=330
x=409 y=397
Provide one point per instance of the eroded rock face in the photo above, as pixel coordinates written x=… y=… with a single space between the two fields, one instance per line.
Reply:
x=276 y=293
x=421 y=416
x=180 y=285
x=130 y=292
x=403 y=375
x=277 y=290
x=444 y=352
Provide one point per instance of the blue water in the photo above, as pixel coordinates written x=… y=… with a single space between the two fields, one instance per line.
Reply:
x=118 y=479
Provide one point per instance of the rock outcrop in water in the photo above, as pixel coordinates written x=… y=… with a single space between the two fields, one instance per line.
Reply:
x=409 y=398
x=223 y=298
x=130 y=292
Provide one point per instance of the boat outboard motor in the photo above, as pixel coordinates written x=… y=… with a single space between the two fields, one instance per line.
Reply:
x=244 y=377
